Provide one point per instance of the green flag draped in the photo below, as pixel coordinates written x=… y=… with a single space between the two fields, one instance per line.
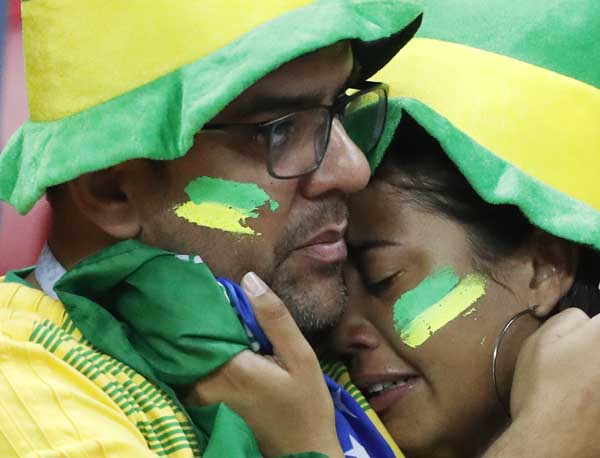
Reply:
x=162 y=314
x=165 y=316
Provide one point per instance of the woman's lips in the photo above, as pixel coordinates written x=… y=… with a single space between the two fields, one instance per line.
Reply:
x=383 y=392
x=383 y=401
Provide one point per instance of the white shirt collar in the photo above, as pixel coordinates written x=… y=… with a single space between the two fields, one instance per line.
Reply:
x=48 y=271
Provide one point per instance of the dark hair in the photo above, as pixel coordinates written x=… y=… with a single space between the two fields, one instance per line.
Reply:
x=417 y=164
x=54 y=195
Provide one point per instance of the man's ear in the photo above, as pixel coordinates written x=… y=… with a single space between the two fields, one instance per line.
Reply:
x=102 y=198
x=554 y=268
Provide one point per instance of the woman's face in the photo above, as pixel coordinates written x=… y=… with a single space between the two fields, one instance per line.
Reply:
x=434 y=347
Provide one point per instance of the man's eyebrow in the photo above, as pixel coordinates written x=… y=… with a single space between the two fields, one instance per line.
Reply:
x=280 y=103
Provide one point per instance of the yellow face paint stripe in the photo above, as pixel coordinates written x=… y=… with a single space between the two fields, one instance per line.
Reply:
x=536 y=119
x=466 y=293
x=215 y=216
x=132 y=42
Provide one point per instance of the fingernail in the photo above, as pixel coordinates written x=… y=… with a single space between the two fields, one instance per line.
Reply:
x=253 y=285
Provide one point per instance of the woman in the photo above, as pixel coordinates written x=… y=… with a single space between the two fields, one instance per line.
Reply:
x=418 y=222
x=486 y=205
x=511 y=97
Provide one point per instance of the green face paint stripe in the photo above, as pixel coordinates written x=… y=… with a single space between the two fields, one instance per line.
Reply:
x=245 y=197
x=450 y=307
x=224 y=205
x=429 y=292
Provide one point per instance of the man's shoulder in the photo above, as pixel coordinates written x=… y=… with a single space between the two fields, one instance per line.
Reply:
x=23 y=307
x=43 y=348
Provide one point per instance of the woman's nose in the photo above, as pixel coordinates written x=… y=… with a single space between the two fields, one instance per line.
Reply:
x=354 y=334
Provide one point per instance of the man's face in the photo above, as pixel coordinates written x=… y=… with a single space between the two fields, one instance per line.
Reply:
x=298 y=248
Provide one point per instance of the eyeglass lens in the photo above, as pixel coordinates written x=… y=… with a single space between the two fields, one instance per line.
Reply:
x=364 y=119
x=298 y=142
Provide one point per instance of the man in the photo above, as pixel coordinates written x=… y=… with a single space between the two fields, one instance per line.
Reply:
x=139 y=88
x=244 y=109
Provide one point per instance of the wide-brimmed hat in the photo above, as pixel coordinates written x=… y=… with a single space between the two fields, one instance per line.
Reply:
x=512 y=93
x=114 y=80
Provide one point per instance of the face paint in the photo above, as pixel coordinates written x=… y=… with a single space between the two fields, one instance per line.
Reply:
x=439 y=299
x=224 y=205
x=470 y=312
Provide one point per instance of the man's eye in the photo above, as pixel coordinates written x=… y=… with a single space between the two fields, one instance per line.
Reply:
x=281 y=132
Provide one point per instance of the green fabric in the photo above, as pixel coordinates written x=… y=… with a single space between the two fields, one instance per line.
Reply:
x=18 y=276
x=161 y=314
x=159 y=120
x=560 y=35
x=497 y=181
x=225 y=425
x=246 y=197
x=166 y=317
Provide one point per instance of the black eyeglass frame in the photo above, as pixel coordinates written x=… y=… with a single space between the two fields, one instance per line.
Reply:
x=334 y=110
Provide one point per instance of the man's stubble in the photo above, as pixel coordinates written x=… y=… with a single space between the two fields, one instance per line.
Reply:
x=316 y=297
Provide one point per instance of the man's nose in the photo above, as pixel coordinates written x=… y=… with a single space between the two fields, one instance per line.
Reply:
x=344 y=169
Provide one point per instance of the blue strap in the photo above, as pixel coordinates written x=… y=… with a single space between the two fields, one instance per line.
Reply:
x=239 y=301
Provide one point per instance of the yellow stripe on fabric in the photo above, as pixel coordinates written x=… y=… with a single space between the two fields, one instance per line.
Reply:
x=82 y=53
x=468 y=291
x=37 y=324
x=544 y=123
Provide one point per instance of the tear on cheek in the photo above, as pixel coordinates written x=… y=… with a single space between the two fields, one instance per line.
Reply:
x=224 y=205
x=439 y=299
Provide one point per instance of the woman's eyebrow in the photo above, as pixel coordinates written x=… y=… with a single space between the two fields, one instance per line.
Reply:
x=367 y=245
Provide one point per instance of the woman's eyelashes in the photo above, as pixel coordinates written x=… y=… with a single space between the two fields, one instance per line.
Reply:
x=380 y=287
x=379 y=266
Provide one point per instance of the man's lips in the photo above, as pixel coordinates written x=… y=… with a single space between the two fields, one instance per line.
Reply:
x=328 y=246
x=384 y=390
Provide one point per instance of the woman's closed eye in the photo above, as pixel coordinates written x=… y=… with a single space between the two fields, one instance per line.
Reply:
x=381 y=264
x=379 y=270
x=381 y=286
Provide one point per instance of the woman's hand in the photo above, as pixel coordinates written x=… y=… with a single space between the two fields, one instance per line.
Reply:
x=283 y=397
x=555 y=399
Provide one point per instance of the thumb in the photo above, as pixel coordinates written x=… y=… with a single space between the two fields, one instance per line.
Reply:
x=289 y=345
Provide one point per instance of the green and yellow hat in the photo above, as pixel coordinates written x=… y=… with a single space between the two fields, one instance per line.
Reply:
x=512 y=93
x=113 y=80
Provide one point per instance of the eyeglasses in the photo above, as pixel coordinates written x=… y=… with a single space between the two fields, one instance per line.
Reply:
x=295 y=144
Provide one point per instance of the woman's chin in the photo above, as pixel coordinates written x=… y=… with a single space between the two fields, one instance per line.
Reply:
x=412 y=419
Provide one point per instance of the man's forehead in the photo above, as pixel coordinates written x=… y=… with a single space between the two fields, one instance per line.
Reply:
x=312 y=79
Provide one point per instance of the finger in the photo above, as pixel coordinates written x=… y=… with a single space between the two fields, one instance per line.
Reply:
x=289 y=345
x=564 y=323
x=231 y=382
